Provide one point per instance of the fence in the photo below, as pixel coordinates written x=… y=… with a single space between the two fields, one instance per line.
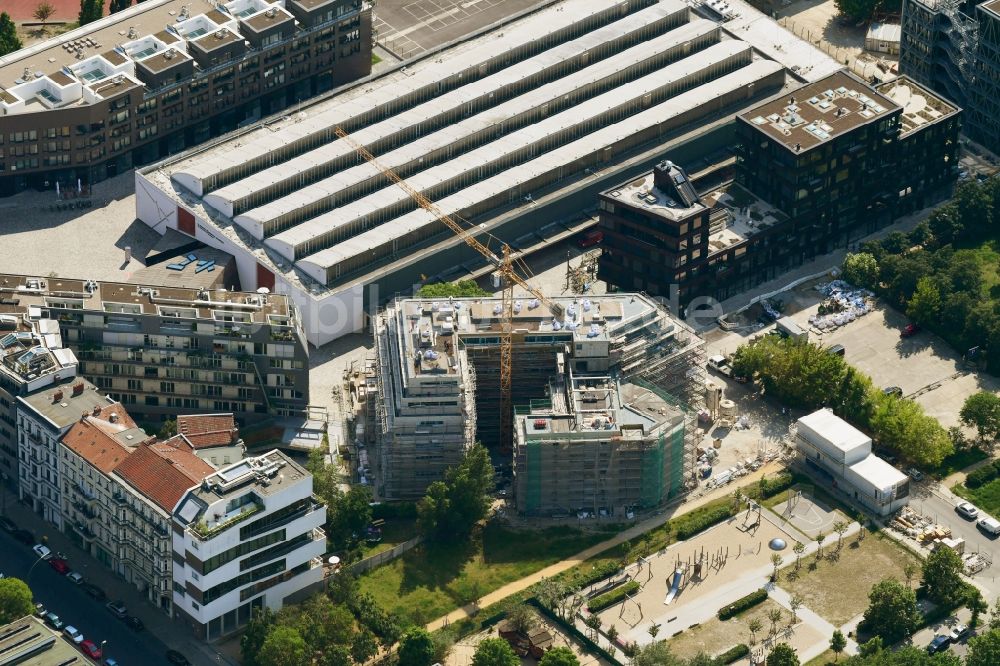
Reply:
x=379 y=559
x=866 y=69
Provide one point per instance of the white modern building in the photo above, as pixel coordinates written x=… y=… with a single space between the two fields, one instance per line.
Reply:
x=843 y=454
x=494 y=129
x=247 y=537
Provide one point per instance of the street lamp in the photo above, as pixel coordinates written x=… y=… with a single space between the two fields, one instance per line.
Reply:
x=103 y=643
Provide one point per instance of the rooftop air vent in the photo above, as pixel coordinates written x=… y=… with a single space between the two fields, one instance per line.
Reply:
x=220 y=34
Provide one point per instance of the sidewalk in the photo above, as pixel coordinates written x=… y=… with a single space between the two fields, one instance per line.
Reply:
x=636 y=530
x=173 y=634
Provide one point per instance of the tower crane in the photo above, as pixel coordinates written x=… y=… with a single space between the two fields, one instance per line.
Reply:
x=504 y=267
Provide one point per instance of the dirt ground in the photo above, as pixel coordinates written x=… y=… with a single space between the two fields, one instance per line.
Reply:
x=462 y=652
x=837 y=586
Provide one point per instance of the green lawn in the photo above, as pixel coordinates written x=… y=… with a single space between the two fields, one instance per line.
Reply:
x=958 y=461
x=432 y=580
x=394 y=532
x=986 y=497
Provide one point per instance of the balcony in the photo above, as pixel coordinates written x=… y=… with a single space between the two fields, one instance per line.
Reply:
x=206 y=529
x=82 y=508
x=84 y=531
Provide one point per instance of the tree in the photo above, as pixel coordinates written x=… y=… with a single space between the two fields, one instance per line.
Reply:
x=612 y=633
x=451 y=508
x=909 y=571
x=840 y=527
x=593 y=623
x=861 y=269
x=984 y=650
x=795 y=603
x=925 y=304
x=43 y=12
x=656 y=653
x=521 y=618
x=782 y=655
x=559 y=656
x=982 y=411
x=16 y=600
x=754 y=626
x=976 y=604
x=942 y=577
x=838 y=643
x=364 y=646
x=416 y=648
x=118 y=5
x=462 y=288
x=774 y=615
x=892 y=611
x=284 y=646
x=653 y=630
x=168 y=429
x=857 y=10
x=776 y=561
x=903 y=426
x=348 y=514
x=495 y=652
x=820 y=538
x=9 y=41
x=90 y=10
x=261 y=622
x=798 y=549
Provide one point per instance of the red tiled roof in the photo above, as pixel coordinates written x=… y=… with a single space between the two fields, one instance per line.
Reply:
x=92 y=437
x=204 y=431
x=163 y=472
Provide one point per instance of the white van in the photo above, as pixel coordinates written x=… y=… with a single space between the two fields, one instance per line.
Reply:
x=989 y=525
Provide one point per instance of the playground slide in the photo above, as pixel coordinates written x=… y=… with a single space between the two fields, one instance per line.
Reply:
x=674 y=587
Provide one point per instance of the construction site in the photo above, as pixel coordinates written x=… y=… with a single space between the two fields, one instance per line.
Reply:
x=605 y=392
x=512 y=131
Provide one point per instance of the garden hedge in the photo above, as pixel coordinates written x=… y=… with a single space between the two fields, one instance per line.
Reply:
x=773 y=486
x=734 y=653
x=983 y=475
x=742 y=604
x=611 y=598
x=700 y=519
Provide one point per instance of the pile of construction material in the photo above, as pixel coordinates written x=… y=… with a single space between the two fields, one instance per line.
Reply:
x=918 y=527
x=843 y=305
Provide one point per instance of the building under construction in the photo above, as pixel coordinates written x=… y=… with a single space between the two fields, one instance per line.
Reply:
x=438 y=392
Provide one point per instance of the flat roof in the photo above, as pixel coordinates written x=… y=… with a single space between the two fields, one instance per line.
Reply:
x=993 y=6
x=643 y=193
x=836 y=431
x=921 y=107
x=878 y=472
x=62 y=405
x=819 y=112
x=30 y=642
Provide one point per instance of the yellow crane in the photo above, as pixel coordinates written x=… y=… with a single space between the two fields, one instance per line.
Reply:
x=504 y=266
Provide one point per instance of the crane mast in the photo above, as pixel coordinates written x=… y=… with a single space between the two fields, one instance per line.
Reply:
x=504 y=267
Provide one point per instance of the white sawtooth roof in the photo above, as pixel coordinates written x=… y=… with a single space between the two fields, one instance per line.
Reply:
x=537 y=133
x=387 y=89
x=256 y=220
x=317 y=264
x=227 y=197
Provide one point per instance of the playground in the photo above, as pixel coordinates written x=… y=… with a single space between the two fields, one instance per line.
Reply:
x=688 y=582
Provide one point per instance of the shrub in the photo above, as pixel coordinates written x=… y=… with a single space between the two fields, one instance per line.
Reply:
x=700 y=519
x=981 y=476
x=597 y=574
x=400 y=510
x=773 y=486
x=742 y=604
x=611 y=598
x=734 y=653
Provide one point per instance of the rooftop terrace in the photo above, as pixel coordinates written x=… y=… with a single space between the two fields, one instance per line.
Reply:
x=921 y=107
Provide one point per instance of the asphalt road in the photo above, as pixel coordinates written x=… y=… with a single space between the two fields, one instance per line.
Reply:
x=75 y=608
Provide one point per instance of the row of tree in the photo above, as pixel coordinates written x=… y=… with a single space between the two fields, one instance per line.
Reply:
x=937 y=273
x=806 y=376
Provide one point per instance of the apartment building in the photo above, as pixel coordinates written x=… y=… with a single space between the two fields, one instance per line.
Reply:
x=31 y=358
x=437 y=381
x=598 y=446
x=163 y=351
x=212 y=437
x=952 y=47
x=149 y=484
x=165 y=75
x=43 y=417
x=247 y=537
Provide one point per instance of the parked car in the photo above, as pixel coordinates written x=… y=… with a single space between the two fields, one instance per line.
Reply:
x=43 y=552
x=117 y=609
x=836 y=350
x=958 y=631
x=75 y=577
x=989 y=525
x=94 y=591
x=176 y=658
x=54 y=621
x=40 y=610
x=73 y=634
x=909 y=330
x=134 y=623
x=61 y=566
x=939 y=644
x=589 y=239
x=894 y=391
x=7 y=525
x=111 y=662
x=915 y=474
x=90 y=649
x=966 y=510
x=24 y=536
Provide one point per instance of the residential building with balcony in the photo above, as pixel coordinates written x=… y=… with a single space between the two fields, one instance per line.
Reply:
x=212 y=437
x=249 y=536
x=148 y=485
x=163 y=351
x=166 y=75
x=31 y=358
x=43 y=418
